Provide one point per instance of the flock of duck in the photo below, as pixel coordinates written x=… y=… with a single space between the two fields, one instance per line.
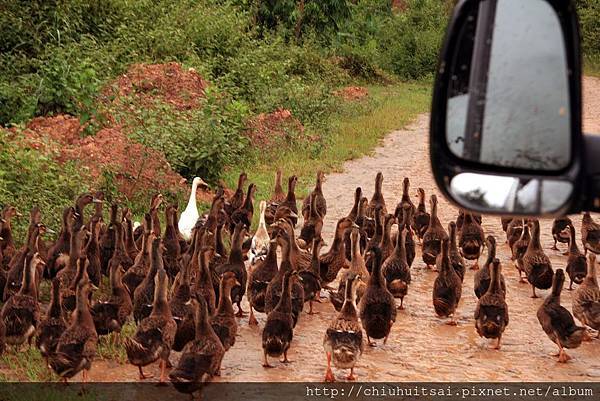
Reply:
x=180 y=285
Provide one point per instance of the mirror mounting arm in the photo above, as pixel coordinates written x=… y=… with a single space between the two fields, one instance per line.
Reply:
x=478 y=79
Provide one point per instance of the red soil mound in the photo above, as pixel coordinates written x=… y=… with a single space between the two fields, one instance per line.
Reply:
x=351 y=93
x=168 y=82
x=267 y=129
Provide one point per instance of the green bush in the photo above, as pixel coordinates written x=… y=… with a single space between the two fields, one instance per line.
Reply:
x=31 y=178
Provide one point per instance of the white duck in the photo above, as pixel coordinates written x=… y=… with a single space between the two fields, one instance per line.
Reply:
x=190 y=215
x=260 y=242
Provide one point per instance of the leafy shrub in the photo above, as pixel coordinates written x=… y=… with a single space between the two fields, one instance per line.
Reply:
x=589 y=17
x=30 y=178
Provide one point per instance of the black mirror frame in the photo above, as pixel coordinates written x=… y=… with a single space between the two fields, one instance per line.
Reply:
x=445 y=165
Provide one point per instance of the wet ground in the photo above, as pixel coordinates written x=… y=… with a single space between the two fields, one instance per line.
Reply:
x=421 y=347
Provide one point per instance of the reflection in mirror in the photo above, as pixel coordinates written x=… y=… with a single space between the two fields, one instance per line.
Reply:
x=508 y=101
x=510 y=195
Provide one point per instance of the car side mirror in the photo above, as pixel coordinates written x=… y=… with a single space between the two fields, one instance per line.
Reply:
x=505 y=133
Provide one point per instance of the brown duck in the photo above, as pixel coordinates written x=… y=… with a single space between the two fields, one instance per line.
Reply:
x=110 y=315
x=536 y=263
x=586 y=301
x=421 y=215
x=201 y=358
x=223 y=321
x=155 y=334
x=76 y=348
x=21 y=312
x=377 y=306
x=343 y=341
x=576 y=262
x=518 y=250
x=447 y=287
x=319 y=198
x=335 y=259
x=236 y=265
x=590 y=234
x=258 y=279
x=491 y=313
x=433 y=237
x=377 y=199
x=471 y=240
x=557 y=322
x=483 y=277
x=52 y=325
x=396 y=270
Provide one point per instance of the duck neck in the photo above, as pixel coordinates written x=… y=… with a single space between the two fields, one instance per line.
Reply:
x=278 y=188
x=319 y=184
x=203 y=327
x=573 y=248
x=400 y=249
x=236 y=255
x=491 y=253
x=261 y=219
x=55 y=309
x=405 y=189
x=82 y=310
x=286 y=257
x=534 y=243
x=160 y=306
x=378 y=187
x=557 y=285
x=387 y=234
x=225 y=305
x=205 y=276
x=422 y=206
x=192 y=199
x=377 y=279
x=591 y=272
x=445 y=265
x=291 y=194
x=219 y=246
x=28 y=286
x=355 y=208
x=349 y=296
x=494 y=278
x=285 y=302
x=452 y=235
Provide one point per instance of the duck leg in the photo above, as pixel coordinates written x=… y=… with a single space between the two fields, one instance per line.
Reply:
x=240 y=312
x=554 y=247
x=371 y=343
x=534 y=294
x=310 y=308
x=163 y=371
x=401 y=307
x=144 y=376
x=498 y=342
x=266 y=361
x=285 y=358
x=562 y=356
x=452 y=321
x=329 y=377
x=252 y=319
x=351 y=376
x=475 y=265
x=570 y=286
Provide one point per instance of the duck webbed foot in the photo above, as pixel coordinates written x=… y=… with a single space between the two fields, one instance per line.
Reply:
x=351 y=376
x=563 y=357
x=144 y=376
x=266 y=361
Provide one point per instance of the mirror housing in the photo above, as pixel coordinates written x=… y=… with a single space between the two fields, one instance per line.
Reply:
x=578 y=174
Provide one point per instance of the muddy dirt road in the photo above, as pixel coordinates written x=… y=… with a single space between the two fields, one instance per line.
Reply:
x=421 y=347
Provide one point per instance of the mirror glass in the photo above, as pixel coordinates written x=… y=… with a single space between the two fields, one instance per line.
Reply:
x=511 y=195
x=508 y=101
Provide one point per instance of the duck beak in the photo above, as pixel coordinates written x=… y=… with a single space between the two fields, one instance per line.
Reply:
x=50 y=231
x=294 y=215
x=95 y=200
x=94 y=287
x=354 y=225
x=18 y=214
x=273 y=241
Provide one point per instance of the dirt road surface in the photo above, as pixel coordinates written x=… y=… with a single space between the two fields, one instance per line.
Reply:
x=421 y=347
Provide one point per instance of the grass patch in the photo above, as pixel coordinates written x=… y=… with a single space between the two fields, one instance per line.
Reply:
x=591 y=66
